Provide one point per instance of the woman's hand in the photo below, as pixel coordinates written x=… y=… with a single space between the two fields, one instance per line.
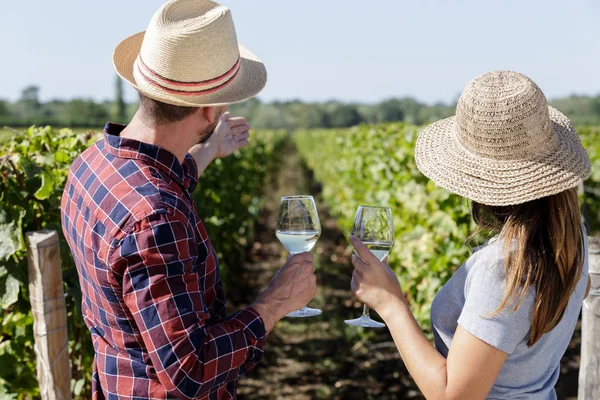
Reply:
x=373 y=281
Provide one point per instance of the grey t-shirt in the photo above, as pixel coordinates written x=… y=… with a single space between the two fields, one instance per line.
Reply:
x=474 y=292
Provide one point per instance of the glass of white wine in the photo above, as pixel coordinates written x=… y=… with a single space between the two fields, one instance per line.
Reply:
x=298 y=228
x=374 y=227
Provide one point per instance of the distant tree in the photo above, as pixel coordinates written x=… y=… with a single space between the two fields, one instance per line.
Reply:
x=410 y=109
x=596 y=106
x=31 y=95
x=390 y=110
x=28 y=106
x=579 y=109
x=307 y=115
x=343 y=115
x=273 y=116
x=120 y=107
x=85 y=113
x=368 y=113
x=289 y=115
x=428 y=114
x=248 y=109
x=55 y=109
x=5 y=113
x=4 y=109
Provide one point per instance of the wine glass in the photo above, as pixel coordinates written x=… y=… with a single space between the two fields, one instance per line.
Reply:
x=298 y=229
x=373 y=226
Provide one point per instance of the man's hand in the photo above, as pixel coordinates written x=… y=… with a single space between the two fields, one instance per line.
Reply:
x=292 y=287
x=231 y=134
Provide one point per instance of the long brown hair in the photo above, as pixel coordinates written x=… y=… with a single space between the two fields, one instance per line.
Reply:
x=548 y=255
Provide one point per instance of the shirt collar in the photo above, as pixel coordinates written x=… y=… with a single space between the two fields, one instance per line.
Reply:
x=186 y=175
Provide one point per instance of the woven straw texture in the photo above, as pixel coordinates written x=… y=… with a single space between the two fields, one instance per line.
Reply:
x=504 y=146
x=189 y=56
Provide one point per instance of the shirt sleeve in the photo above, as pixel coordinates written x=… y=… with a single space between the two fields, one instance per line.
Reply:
x=484 y=291
x=162 y=288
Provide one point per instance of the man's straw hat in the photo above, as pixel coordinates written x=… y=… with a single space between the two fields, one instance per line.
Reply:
x=189 y=56
x=505 y=145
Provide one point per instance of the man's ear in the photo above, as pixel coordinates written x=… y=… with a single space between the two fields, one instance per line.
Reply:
x=210 y=114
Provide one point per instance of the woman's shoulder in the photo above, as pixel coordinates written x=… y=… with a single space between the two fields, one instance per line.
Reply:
x=487 y=260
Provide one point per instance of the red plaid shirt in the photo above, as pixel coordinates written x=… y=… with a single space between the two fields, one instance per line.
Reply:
x=152 y=296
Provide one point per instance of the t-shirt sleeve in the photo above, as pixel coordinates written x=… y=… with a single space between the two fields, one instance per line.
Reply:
x=484 y=290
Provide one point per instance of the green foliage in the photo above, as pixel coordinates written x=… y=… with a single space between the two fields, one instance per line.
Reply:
x=289 y=115
x=119 y=107
x=83 y=112
x=34 y=166
x=590 y=136
x=374 y=165
x=228 y=195
x=579 y=109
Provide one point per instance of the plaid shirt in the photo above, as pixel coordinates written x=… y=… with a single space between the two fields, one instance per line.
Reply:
x=152 y=297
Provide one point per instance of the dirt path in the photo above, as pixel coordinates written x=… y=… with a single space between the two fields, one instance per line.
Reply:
x=318 y=357
x=321 y=357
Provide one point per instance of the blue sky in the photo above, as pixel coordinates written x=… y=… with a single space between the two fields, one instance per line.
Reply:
x=317 y=50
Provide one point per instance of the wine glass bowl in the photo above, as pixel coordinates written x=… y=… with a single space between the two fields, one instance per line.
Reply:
x=298 y=229
x=373 y=226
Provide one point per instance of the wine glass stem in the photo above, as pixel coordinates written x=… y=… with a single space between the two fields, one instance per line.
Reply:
x=366 y=311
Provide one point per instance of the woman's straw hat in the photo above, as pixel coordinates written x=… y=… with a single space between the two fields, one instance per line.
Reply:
x=505 y=145
x=189 y=56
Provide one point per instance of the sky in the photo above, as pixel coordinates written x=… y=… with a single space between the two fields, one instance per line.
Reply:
x=317 y=50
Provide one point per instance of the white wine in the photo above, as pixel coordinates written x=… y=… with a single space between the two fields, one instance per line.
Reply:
x=379 y=249
x=298 y=241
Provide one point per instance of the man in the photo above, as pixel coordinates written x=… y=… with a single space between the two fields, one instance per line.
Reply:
x=152 y=297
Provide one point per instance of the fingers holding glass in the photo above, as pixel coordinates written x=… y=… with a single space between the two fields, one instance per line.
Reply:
x=374 y=230
x=298 y=229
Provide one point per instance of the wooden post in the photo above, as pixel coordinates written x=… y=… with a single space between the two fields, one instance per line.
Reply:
x=49 y=315
x=589 y=367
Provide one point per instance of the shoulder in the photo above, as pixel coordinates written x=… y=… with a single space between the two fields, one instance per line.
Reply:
x=156 y=204
x=486 y=275
x=484 y=291
x=155 y=235
x=136 y=194
x=485 y=267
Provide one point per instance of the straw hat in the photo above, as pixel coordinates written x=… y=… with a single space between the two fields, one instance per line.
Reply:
x=505 y=145
x=189 y=56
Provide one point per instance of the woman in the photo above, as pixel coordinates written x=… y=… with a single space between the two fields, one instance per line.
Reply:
x=505 y=318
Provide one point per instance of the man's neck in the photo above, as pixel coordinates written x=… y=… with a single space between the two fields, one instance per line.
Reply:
x=176 y=138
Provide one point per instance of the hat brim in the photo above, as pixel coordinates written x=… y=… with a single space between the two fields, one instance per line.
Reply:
x=249 y=81
x=441 y=157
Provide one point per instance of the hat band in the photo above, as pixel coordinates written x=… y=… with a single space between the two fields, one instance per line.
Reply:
x=182 y=88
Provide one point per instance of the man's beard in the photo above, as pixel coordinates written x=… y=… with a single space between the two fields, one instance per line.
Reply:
x=208 y=132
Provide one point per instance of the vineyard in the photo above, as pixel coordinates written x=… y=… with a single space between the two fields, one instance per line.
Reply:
x=371 y=165
x=374 y=165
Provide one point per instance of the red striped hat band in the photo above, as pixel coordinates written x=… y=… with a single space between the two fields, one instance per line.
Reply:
x=161 y=82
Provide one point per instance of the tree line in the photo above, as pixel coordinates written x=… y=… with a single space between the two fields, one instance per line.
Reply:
x=86 y=113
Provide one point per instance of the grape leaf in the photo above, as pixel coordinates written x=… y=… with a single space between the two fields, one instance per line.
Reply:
x=62 y=157
x=78 y=388
x=11 y=291
x=47 y=187
x=9 y=237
